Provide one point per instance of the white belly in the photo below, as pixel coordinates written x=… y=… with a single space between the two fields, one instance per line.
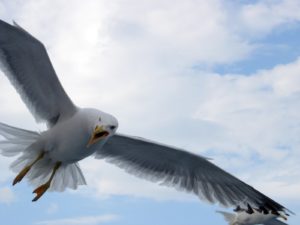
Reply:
x=67 y=142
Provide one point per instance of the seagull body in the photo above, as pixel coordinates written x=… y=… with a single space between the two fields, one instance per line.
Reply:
x=73 y=147
x=256 y=217
x=49 y=160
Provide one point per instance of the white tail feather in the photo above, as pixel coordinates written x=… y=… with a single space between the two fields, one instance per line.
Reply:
x=229 y=217
x=18 y=141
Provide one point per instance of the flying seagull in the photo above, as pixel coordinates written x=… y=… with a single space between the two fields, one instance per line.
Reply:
x=49 y=159
x=252 y=216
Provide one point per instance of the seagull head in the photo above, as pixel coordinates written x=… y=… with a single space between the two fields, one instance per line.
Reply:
x=102 y=126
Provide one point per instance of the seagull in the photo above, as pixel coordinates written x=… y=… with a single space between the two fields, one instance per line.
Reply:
x=252 y=216
x=49 y=159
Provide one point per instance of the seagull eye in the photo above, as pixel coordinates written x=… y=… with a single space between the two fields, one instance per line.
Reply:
x=112 y=127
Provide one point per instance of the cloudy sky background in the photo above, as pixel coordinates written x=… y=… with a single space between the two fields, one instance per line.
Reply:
x=219 y=78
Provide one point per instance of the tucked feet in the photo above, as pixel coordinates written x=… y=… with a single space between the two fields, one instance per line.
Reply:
x=21 y=175
x=26 y=169
x=40 y=191
x=43 y=188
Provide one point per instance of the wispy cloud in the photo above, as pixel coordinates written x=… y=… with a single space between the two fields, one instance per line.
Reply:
x=86 y=220
x=6 y=195
x=53 y=208
x=262 y=17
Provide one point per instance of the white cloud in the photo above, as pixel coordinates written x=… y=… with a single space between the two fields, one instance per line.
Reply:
x=52 y=208
x=263 y=16
x=258 y=110
x=6 y=195
x=178 y=34
x=86 y=220
x=282 y=184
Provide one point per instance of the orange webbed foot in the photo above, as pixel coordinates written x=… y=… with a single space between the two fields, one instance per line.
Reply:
x=40 y=191
x=21 y=175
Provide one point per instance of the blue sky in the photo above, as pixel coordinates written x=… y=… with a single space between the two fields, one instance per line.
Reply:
x=224 y=72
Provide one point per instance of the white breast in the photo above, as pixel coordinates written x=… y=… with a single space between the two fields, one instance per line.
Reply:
x=67 y=140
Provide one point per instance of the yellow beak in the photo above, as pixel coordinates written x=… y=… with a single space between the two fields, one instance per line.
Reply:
x=98 y=134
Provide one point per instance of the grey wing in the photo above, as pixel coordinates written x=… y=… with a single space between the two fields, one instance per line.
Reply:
x=25 y=62
x=275 y=222
x=184 y=170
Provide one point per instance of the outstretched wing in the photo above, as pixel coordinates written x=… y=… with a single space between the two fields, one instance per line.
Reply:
x=184 y=170
x=25 y=62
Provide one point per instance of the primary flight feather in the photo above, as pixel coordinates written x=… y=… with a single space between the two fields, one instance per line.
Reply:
x=50 y=159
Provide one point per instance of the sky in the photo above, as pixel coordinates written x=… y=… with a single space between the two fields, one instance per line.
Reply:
x=218 y=78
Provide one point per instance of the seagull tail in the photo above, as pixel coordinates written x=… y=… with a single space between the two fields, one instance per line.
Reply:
x=25 y=143
x=16 y=140
x=229 y=217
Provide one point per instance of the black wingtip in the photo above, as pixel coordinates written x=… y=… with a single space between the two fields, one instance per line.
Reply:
x=237 y=209
x=249 y=209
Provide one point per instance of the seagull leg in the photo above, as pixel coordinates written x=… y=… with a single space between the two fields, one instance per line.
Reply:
x=25 y=170
x=43 y=188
